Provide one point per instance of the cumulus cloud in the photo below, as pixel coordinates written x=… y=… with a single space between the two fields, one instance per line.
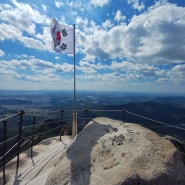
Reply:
x=71 y=5
x=37 y=63
x=19 y=18
x=1 y=53
x=138 y=70
x=99 y=3
x=8 y=74
x=107 y=24
x=22 y=16
x=44 y=7
x=90 y=68
x=136 y=5
x=177 y=74
x=9 y=32
x=40 y=70
x=119 y=17
x=155 y=37
x=58 y=4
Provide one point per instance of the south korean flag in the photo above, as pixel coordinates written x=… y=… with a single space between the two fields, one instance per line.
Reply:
x=63 y=37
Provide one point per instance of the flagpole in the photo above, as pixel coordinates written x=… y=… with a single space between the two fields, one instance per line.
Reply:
x=74 y=72
x=74 y=127
x=56 y=29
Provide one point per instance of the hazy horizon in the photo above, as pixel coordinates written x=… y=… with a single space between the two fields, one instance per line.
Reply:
x=96 y=91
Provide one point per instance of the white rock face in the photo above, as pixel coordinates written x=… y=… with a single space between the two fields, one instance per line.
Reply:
x=110 y=152
x=35 y=170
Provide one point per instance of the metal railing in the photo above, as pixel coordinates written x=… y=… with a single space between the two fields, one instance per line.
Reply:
x=58 y=125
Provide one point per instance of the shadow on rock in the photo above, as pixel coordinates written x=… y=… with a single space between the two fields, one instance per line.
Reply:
x=80 y=152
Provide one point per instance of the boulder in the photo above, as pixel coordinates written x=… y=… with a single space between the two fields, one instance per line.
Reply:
x=110 y=152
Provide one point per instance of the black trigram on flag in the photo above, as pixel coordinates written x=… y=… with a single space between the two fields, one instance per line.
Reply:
x=63 y=46
x=64 y=33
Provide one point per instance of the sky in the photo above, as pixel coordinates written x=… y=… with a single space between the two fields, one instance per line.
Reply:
x=121 y=45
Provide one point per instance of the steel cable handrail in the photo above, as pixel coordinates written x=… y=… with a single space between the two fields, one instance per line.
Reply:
x=169 y=125
x=93 y=110
x=166 y=124
x=9 y=117
x=42 y=133
x=9 y=139
x=10 y=149
x=41 y=124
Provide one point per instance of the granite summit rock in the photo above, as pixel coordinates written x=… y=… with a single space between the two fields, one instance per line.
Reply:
x=110 y=152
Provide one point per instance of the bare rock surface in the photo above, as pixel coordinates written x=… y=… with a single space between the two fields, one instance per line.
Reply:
x=35 y=170
x=110 y=152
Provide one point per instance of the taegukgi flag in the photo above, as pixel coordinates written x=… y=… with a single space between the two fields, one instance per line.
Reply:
x=63 y=37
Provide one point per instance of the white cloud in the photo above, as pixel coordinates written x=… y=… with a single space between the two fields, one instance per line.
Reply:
x=90 y=68
x=59 y=4
x=155 y=37
x=33 y=43
x=136 y=5
x=1 y=53
x=177 y=74
x=45 y=39
x=9 y=32
x=6 y=73
x=34 y=73
x=19 y=18
x=143 y=71
x=37 y=66
x=65 y=67
x=119 y=17
x=44 y=7
x=71 y=5
x=107 y=24
x=99 y=3
x=22 y=16
x=4 y=6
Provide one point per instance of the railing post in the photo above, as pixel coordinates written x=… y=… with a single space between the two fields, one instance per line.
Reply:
x=86 y=110
x=123 y=115
x=33 y=132
x=4 y=152
x=21 y=113
x=61 y=123
x=74 y=125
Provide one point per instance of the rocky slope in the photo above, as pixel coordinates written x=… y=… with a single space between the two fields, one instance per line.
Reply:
x=115 y=153
x=35 y=170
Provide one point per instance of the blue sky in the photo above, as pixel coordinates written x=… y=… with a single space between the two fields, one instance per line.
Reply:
x=121 y=45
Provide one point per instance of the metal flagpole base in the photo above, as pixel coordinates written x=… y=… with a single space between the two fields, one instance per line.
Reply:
x=74 y=126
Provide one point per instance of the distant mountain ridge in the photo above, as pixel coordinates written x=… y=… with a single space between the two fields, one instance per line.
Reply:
x=171 y=100
x=153 y=110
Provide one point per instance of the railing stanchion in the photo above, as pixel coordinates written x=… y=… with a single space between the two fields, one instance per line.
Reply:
x=61 y=124
x=4 y=152
x=74 y=125
x=33 y=132
x=21 y=113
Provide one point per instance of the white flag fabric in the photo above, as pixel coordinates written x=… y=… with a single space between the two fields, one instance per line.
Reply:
x=63 y=37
